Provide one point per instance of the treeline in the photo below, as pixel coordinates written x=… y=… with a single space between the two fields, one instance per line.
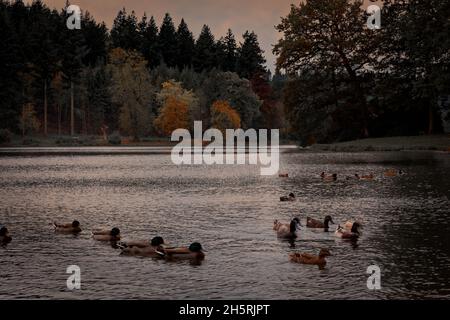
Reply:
x=136 y=79
x=347 y=81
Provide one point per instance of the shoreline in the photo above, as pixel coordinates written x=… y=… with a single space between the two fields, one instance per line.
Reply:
x=160 y=146
x=388 y=144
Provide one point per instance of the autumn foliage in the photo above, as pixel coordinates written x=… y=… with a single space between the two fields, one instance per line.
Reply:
x=223 y=116
x=174 y=115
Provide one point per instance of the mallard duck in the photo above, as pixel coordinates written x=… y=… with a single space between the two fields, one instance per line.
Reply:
x=328 y=178
x=73 y=227
x=283 y=175
x=307 y=258
x=153 y=248
x=393 y=173
x=106 y=235
x=4 y=235
x=194 y=251
x=291 y=197
x=288 y=231
x=349 y=233
x=367 y=177
x=313 y=223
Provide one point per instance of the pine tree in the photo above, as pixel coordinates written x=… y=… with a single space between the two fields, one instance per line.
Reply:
x=149 y=44
x=125 y=33
x=229 y=43
x=205 y=53
x=10 y=85
x=185 y=46
x=96 y=37
x=251 y=59
x=74 y=50
x=168 y=41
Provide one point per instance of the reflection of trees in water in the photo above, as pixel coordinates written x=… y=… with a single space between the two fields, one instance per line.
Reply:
x=413 y=237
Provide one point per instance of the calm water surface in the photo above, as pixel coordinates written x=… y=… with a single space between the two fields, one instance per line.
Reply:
x=230 y=210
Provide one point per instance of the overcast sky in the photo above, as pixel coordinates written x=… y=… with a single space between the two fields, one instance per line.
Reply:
x=260 y=16
x=240 y=15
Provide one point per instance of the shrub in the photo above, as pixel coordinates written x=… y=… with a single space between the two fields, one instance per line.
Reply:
x=5 y=136
x=115 y=138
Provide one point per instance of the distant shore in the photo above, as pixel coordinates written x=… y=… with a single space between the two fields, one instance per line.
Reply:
x=433 y=142
x=418 y=143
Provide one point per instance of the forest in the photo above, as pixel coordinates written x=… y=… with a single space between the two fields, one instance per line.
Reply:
x=335 y=79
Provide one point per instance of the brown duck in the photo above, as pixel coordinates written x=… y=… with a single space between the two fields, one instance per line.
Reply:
x=307 y=258
x=314 y=223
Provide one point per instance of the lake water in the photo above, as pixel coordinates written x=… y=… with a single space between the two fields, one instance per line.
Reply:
x=230 y=210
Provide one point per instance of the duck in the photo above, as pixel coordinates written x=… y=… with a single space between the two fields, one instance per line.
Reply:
x=4 y=235
x=367 y=177
x=194 y=251
x=355 y=177
x=351 y=230
x=106 y=235
x=283 y=175
x=393 y=173
x=307 y=258
x=290 y=197
x=73 y=227
x=328 y=178
x=153 y=248
x=288 y=231
x=313 y=223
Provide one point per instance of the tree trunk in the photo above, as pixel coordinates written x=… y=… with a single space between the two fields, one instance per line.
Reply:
x=364 y=110
x=430 y=120
x=23 y=121
x=359 y=91
x=72 y=120
x=59 y=119
x=45 y=107
x=23 y=113
x=84 y=120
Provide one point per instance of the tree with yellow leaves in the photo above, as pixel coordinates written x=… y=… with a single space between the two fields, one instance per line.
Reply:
x=131 y=90
x=178 y=107
x=223 y=116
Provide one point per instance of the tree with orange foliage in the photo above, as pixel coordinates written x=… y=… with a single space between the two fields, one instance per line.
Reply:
x=223 y=116
x=173 y=115
x=178 y=107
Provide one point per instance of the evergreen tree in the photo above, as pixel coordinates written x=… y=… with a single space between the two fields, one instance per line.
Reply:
x=230 y=47
x=149 y=44
x=250 y=59
x=185 y=46
x=96 y=38
x=168 y=42
x=221 y=53
x=125 y=33
x=205 y=53
x=74 y=50
x=10 y=66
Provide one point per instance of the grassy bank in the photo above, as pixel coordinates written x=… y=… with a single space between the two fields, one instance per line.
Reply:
x=82 y=141
x=434 y=142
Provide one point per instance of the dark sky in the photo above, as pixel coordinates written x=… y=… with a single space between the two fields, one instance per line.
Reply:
x=240 y=15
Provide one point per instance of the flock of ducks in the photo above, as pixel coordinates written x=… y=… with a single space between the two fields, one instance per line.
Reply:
x=334 y=177
x=350 y=230
x=156 y=247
